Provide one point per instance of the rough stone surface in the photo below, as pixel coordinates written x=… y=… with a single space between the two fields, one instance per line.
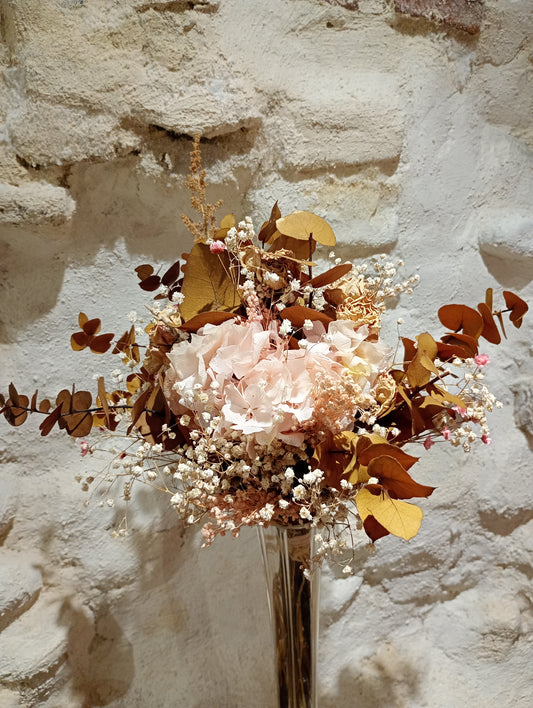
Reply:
x=20 y=585
x=466 y=15
x=35 y=203
x=8 y=506
x=33 y=647
x=506 y=233
x=410 y=137
x=523 y=405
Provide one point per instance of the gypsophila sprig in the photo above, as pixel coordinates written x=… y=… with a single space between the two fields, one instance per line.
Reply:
x=265 y=394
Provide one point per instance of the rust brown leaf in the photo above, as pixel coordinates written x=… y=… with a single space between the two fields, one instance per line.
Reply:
x=297 y=314
x=127 y=346
x=150 y=284
x=44 y=405
x=330 y=276
x=75 y=416
x=15 y=408
x=373 y=529
x=87 y=337
x=395 y=478
x=269 y=228
x=172 y=274
x=143 y=271
x=380 y=449
x=490 y=331
x=100 y=344
x=517 y=306
x=214 y=317
x=467 y=343
x=50 y=420
x=461 y=317
x=419 y=374
x=102 y=397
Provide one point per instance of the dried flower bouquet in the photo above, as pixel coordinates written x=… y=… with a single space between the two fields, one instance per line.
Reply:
x=266 y=396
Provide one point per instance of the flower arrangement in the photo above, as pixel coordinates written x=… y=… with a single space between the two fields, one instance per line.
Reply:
x=265 y=394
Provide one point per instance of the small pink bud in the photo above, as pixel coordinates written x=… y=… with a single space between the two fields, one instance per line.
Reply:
x=217 y=247
x=428 y=442
x=84 y=447
x=481 y=359
x=461 y=411
x=485 y=439
x=446 y=433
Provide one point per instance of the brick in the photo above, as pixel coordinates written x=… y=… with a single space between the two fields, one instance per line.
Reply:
x=466 y=15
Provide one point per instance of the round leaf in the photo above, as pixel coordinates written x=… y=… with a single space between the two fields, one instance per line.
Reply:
x=398 y=517
x=302 y=225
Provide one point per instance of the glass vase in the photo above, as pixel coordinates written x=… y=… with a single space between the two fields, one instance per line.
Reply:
x=293 y=602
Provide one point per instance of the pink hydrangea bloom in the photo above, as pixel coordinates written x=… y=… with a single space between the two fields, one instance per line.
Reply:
x=245 y=375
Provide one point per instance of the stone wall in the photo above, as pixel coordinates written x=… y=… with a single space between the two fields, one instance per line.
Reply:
x=407 y=124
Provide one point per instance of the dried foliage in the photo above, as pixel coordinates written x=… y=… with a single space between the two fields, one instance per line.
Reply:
x=345 y=444
x=205 y=228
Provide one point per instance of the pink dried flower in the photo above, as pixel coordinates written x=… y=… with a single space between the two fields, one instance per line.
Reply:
x=84 y=447
x=485 y=439
x=461 y=411
x=217 y=247
x=428 y=442
x=446 y=433
x=481 y=359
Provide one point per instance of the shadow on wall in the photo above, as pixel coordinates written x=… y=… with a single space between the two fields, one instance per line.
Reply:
x=384 y=680
x=136 y=200
x=100 y=656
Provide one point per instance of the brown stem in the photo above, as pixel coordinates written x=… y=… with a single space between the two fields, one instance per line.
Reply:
x=76 y=412
x=310 y=267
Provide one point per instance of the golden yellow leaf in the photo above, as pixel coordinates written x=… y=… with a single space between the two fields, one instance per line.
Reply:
x=357 y=470
x=302 y=225
x=206 y=283
x=398 y=517
x=418 y=374
x=443 y=395
x=226 y=224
